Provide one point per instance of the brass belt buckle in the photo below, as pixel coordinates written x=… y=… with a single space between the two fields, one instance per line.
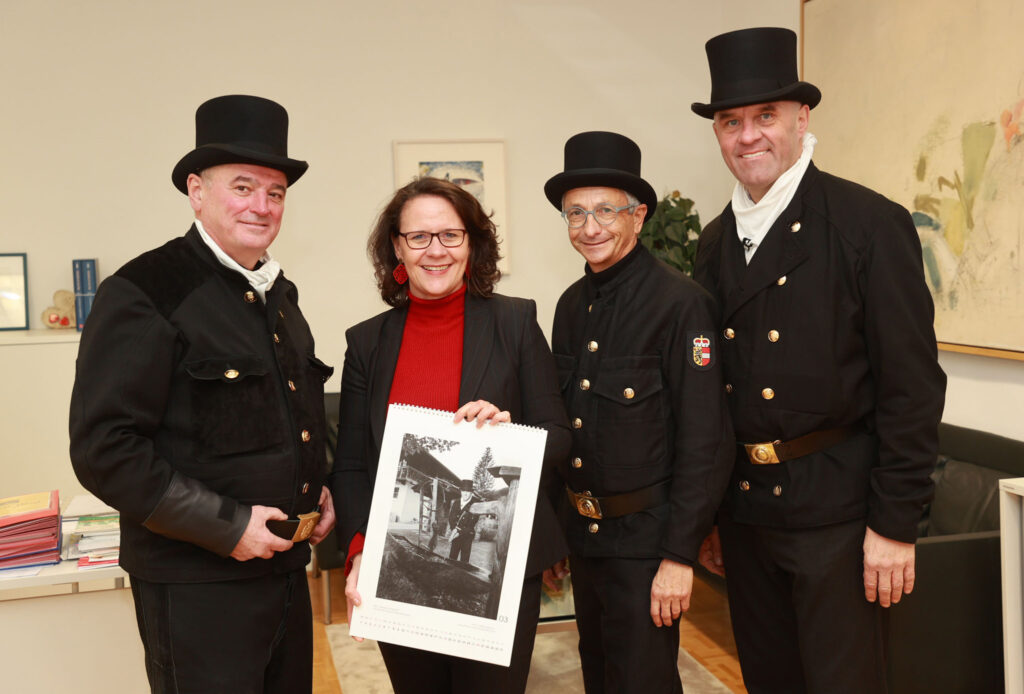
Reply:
x=588 y=506
x=307 y=521
x=762 y=453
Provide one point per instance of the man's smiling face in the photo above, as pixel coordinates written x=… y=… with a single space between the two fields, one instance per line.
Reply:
x=761 y=141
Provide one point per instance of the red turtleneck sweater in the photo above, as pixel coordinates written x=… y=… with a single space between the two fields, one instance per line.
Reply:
x=429 y=368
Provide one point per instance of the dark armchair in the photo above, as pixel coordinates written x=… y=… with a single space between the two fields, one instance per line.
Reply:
x=328 y=555
x=947 y=635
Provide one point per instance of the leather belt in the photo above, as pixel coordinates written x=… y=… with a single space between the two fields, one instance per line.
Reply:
x=772 y=452
x=295 y=529
x=599 y=507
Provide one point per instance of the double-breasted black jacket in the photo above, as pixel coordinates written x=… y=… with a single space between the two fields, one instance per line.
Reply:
x=638 y=364
x=829 y=326
x=505 y=360
x=194 y=401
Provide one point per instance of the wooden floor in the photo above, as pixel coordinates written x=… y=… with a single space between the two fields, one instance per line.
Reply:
x=705 y=634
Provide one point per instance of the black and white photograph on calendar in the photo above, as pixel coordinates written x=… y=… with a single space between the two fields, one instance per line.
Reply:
x=448 y=534
x=449 y=526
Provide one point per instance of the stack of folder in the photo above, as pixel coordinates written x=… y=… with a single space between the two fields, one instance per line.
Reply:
x=92 y=531
x=30 y=530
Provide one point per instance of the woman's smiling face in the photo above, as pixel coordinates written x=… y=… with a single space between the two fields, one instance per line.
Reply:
x=435 y=271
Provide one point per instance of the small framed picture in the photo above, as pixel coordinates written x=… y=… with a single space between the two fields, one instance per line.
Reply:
x=477 y=166
x=13 y=291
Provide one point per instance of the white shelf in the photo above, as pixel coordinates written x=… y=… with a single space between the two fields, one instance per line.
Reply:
x=43 y=336
x=1011 y=512
x=62 y=574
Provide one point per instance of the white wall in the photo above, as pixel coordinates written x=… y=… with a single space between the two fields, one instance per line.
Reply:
x=984 y=393
x=99 y=101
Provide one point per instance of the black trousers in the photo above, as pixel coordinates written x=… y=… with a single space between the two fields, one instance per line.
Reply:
x=414 y=671
x=462 y=546
x=801 y=622
x=621 y=649
x=253 y=636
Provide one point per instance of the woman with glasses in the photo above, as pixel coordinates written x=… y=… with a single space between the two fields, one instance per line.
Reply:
x=448 y=343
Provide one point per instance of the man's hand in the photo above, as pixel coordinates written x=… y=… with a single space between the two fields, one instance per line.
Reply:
x=670 y=592
x=483 y=412
x=888 y=568
x=352 y=591
x=710 y=556
x=558 y=571
x=326 y=522
x=257 y=541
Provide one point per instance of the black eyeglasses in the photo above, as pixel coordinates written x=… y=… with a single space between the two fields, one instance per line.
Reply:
x=418 y=240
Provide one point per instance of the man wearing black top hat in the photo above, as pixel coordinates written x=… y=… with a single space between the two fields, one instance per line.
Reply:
x=637 y=355
x=197 y=412
x=832 y=381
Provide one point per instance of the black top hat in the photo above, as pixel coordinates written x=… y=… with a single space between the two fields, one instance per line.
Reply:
x=754 y=66
x=601 y=159
x=239 y=129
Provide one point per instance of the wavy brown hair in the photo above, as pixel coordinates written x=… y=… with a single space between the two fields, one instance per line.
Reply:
x=482 y=268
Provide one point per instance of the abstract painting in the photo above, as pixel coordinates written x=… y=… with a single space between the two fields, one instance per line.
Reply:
x=923 y=102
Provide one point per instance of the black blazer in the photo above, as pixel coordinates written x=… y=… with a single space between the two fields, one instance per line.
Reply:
x=505 y=361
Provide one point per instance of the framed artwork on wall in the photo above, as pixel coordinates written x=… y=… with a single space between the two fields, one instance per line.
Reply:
x=477 y=166
x=941 y=133
x=13 y=291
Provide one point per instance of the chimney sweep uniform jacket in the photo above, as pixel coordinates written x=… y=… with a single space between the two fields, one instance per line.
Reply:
x=829 y=326
x=194 y=401
x=646 y=405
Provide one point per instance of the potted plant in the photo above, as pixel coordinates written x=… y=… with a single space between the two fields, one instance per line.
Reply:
x=672 y=231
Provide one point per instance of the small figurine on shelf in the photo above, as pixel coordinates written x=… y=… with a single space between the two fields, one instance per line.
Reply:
x=62 y=314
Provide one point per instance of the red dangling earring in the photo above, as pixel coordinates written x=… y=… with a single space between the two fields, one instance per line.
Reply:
x=399 y=273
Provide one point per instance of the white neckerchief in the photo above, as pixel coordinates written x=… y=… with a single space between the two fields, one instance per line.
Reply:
x=260 y=279
x=753 y=220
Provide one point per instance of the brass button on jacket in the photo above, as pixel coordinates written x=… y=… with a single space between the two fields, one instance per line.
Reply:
x=577 y=463
x=781 y=281
x=767 y=393
x=777 y=491
x=577 y=423
x=745 y=486
x=728 y=387
x=277 y=339
x=305 y=487
x=794 y=227
x=593 y=527
x=729 y=333
x=231 y=374
x=291 y=385
x=584 y=384
x=250 y=297
x=305 y=436
x=773 y=335
x=629 y=393
x=592 y=346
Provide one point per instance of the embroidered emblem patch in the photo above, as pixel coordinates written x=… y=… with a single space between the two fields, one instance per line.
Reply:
x=702 y=350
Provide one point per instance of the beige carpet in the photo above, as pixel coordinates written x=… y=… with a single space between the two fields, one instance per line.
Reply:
x=555 y=667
